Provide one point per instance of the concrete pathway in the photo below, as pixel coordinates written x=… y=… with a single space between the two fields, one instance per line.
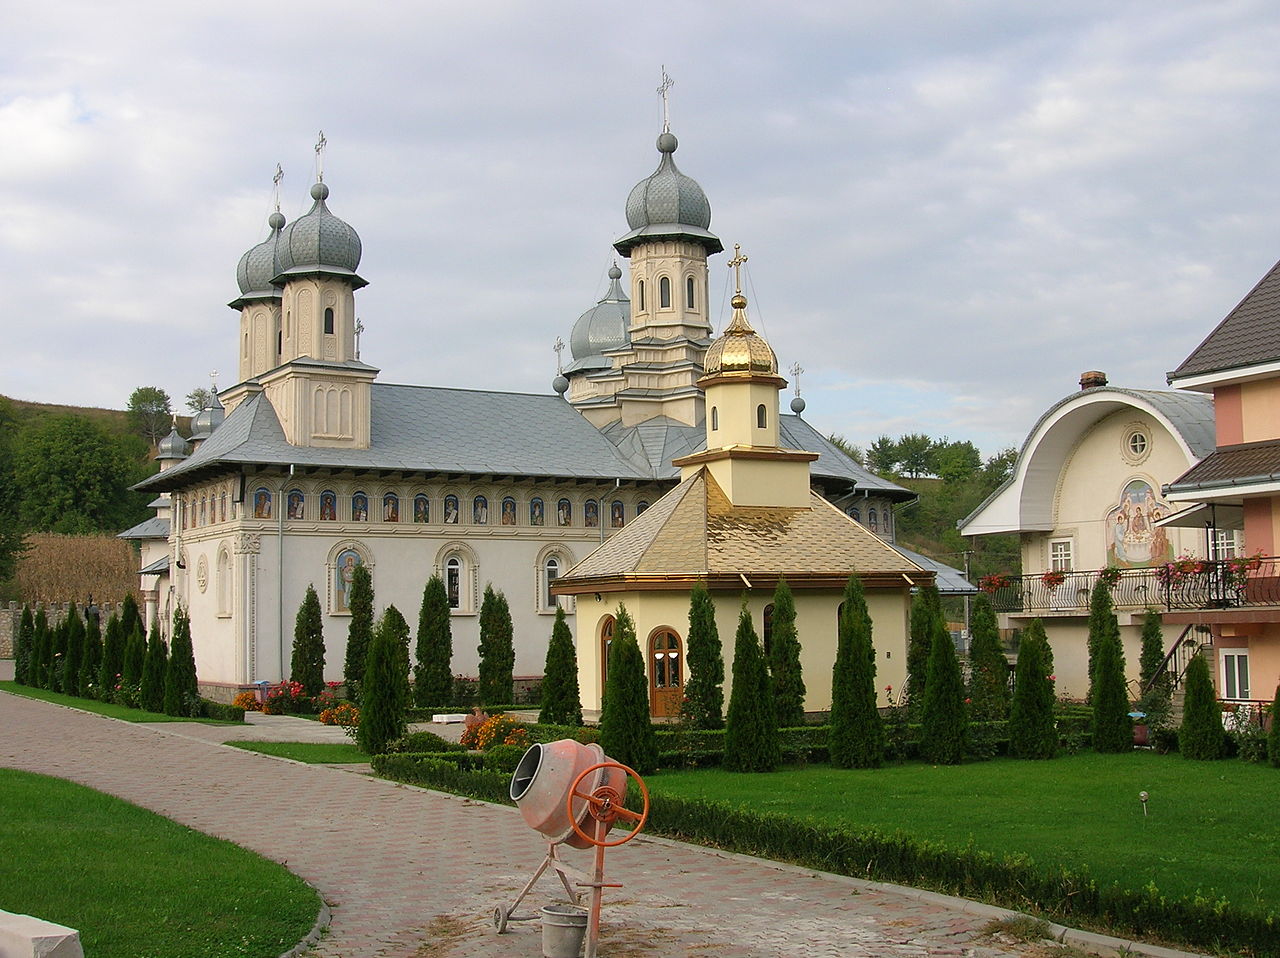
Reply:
x=408 y=872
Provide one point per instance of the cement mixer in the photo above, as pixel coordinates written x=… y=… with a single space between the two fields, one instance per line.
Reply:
x=573 y=794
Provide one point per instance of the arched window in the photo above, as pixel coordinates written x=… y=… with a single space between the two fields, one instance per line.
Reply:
x=664 y=293
x=855 y=513
x=564 y=513
x=606 y=646
x=508 y=511
x=550 y=570
x=296 y=504
x=453 y=570
x=421 y=508
x=640 y=297
x=873 y=522
x=766 y=632
x=641 y=506
x=715 y=418
x=222 y=581
x=328 y=320
x=456 y=563
x=359 y=507
x=222 y=507
x=591 y=514
x=451 y=510
x=204 y=505
x=480 y=511
x=688 y=292
x=390 y=507
x=886 y=518
x=762 y=417
x=279 y=344
x=617 y=517
x=328 y=505
x=536 y=516
x=262 y=503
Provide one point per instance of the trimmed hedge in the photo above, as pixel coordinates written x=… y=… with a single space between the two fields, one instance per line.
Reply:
x=542 y=733
x=446 y=772
x=221 y=711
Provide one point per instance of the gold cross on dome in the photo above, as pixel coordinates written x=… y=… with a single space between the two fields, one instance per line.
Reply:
x=736 y=265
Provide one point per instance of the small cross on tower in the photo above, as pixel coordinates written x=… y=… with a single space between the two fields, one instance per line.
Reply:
x=666 y=84
x=275 y=184
x=559 y=348
x=796 y=370
x=735 y=264
x=320 y=145
x=213 y=382
x=359 y=330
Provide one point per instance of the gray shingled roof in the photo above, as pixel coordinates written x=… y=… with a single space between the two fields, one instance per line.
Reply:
x=1249 y=335
x=147 y=529
x=467 y=431
x=159 y=567
x=948 y=580
x=1235 y=465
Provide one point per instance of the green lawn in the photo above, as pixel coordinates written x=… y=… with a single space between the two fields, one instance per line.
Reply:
x=313 y=753
x=137 y=885
x=1211 y=826
x=109 y=709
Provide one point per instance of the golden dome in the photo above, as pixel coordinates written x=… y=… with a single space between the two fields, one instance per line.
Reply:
x=740 y=349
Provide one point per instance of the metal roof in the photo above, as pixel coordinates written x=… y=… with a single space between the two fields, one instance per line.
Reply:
x=948 y=580
x=1247 y=336
x=159 y=567
x=1250 y=462
x=147 y=529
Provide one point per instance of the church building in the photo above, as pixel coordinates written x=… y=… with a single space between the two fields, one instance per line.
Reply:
x=309 y=465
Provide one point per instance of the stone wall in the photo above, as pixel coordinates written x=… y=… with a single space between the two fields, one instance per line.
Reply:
x=55 y=612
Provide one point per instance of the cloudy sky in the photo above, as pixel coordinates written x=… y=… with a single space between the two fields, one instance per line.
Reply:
x=951 y=209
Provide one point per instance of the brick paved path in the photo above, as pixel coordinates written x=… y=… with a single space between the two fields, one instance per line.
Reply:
x=409 y=872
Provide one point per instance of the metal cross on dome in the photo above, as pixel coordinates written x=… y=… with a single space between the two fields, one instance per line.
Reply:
x=796 y=370
x=735 y=264
x=559 y=348
x=275 y=183
x=320 y=145
x=213 y=381
x=666 y=84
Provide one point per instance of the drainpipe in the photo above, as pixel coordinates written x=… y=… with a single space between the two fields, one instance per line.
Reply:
x=280 y=507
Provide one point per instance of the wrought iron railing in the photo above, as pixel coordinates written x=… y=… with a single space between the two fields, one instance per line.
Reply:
x=1182 y=584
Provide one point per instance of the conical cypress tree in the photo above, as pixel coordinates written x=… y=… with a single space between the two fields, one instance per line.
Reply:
x=135 y=654
x=433 y=673
x=944 y=726
x=23 y=647
x=988 y=668
x=626 y=732
x=91 y=664
x=751 y=730
x=497 y=651
x=786 y=678
x=1102 y=622
x=129 y=617
x=1032 y=733
x=359 y=629
x=386 y=684
x=306 y=664
x=181 y=692
x=154 y=667
x=925 y=606
x=112 y=664
x=74 y=654
x=1200 y=736
x=856 y=732
x=1273 y=736
x=41 y=651
x=1112 y=727
x=704 y=688
x=561 y=700
x=58 y=652
x=1156 y=700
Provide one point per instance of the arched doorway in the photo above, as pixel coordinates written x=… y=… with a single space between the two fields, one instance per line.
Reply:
x=666 y=673
x=606 y=645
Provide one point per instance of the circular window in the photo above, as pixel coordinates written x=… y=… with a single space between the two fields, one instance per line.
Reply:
x=1137 y=444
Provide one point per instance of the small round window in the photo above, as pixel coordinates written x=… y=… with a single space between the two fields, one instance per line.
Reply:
x=1137 y=443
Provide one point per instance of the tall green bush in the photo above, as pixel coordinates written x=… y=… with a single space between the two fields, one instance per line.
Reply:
x=1200 y=736
x=786 y=677
x=1032 y=733
x=58 y=652
x=561 y=699
x=1102 y=623
x=925 y=606
x=751 y=728
x=306 y=664
x=856 y=732
x=74 y=653
x=704 y=688
x=944 y=726
x=23 y=647
x=1112 y=727
x=41 y=652
x=988 y=668
x=154 y=667
x=181 y=691
x=433 y=668
x=497 y=650
x=1273 y=736
x=626 y=732
x=135 y=654
x=359 y=629
x=1156 y=702
x=129 y=616
x=112 y=664
x=385 y=695
x=91 y=663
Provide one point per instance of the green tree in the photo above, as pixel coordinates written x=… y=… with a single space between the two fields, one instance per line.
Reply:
x=13 y=545
x=199 y=399
x=955 y=461
x=849 y=449
x=58 y=652
x=154 y=667
x=433 y=672
x=988 y=668
x=1112 y=727
x=135 y=655
x=306 y=665
x=41 y=652
x=386 y=684
x=882 y=455
x=150 y=412
x=626 y=732
x=1032 y=733
x=704 y=687
x=926 y=606
x=130 y=619
x=497 y=650
x=359 y=629
x=1102 y=623
x=181 y=690
x=1157 y=695
x=73 y=657
x=915 y=454
x=1273 y=736
x=561 y=700
x=786 y=677
x=91 y=662
x=112 y=663
x=856 y=732
x=22 y=647
x=1200 y=736
x=944 y=727
x=751 y=729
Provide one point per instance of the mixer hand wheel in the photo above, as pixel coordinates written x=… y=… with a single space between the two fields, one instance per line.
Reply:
x=606 y=805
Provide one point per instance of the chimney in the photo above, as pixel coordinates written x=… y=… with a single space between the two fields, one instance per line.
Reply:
x=1092 y=379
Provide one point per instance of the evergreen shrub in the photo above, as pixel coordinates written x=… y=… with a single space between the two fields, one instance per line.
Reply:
x=23 y=647
x=154 y=666
x=703 y=705
x=561 y=702
x=1273 y=736
x=359 y=629
x=306 y=665
x=944 y=725
x=1031 y=720
x=433 y=667
x=1200 y=736
x=181 y=691
x=1112 y=727
x=786 y=677
x=135 y=654
x=91 y=665
x=111 y=669
x=926 y=605
x=386 y=685
x=856 y=734
x=626 y=732
x=72 y=656
x=497 y=650
x=751 y=731
x=988 y=667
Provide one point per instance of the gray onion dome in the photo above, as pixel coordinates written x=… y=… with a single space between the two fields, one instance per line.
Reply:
x=668 y=204
x=603 y=326
x=173 y=446
x=320 y=242
x=259 y=265
x=207 y=420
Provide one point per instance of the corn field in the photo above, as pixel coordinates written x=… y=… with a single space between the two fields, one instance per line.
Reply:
x=71 y=568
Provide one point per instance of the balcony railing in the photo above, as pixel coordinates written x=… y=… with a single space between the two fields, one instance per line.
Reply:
x=1182 y=584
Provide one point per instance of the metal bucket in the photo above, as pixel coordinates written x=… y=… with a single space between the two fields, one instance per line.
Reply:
x=563 y=929
x=541 y=782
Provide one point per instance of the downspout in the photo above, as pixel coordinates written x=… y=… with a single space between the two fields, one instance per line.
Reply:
x=280 y=507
